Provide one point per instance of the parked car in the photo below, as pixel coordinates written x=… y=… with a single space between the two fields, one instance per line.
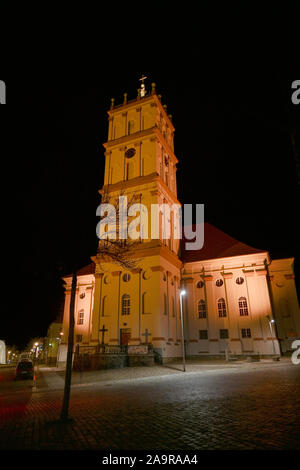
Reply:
x=25 y=357
x=24 y=370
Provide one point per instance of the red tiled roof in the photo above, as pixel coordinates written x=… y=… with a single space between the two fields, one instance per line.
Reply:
x=217 y=244
x=89 y=269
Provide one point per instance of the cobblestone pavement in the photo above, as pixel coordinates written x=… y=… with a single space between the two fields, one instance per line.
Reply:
x=249 y=407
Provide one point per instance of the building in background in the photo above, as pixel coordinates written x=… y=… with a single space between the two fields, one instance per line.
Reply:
x=52 y=343
x=3 y=358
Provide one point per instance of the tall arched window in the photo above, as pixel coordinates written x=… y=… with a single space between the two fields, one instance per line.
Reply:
x=80 y=320
x=130 y=127
x=104 y=301
x=173 y=307
x=243 y=306
x=202 y=309
x=165 y=305
x=129 y=171
x=144 y=302
x=126 y=304
x=222 y=308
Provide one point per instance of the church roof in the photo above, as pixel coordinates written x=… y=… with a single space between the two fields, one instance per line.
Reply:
x=217 y=244
x=86 y=270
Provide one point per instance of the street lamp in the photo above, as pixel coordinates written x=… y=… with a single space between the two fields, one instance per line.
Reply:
x=271 y=321
x=182 y=294
x=58 y=348
x=36 y=350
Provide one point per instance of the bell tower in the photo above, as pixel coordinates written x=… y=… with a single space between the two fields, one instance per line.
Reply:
x=140 y=164
x=139 y=153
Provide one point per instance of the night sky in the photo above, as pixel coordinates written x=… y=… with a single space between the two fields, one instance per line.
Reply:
x=233 y=142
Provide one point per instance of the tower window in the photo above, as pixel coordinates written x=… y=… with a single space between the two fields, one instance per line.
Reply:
x=222 y=308
x=219 y=283
x=130 y=127
x=126 y=277
x=144 y=303
x=130 y=153
x=243 y=306
x=79 y=338
x=165 y=305
x=200 y=285
x=202 y=309
x=240 y=281
x=104 y=302
x=126 y=305
x=80 y=320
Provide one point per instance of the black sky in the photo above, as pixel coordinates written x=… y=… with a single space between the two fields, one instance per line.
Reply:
x=235 y=155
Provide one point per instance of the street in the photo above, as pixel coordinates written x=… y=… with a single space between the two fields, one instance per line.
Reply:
x=214 y=406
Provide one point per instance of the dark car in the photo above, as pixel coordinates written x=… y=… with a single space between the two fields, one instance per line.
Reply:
x=24 y=370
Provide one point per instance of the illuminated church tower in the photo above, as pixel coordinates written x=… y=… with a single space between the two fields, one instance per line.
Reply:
x=141 y=305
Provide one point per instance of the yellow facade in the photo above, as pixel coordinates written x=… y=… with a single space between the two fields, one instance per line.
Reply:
x=142 y=304
x=149 y=178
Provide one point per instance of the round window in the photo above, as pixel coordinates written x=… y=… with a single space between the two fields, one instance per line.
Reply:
x=200 y=285
x=130 y=153
x=219 y=283
x=82 y=296
x=240 y=281
x=146 y=275
x=107 y=280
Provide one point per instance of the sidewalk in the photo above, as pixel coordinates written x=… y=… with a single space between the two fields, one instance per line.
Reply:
x=53 y=378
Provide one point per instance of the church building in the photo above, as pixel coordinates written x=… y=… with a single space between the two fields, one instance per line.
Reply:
x=237 y=299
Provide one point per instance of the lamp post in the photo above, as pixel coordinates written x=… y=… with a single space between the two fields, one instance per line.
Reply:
x=182 y=294
x=58 y=348
x=271 y=321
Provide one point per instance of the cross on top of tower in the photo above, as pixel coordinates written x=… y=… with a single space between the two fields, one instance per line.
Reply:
x=143 y=78
x=143 y=87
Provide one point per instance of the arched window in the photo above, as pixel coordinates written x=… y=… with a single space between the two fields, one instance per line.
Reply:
x=243 y=306
x=126 y=304
x=173 y=307
x=129 y=171
x=126 y=277
x=144 y=301
x=202 y=309
x=222 y=308
x=80 y=320
x=130 y=127
x=104 y=301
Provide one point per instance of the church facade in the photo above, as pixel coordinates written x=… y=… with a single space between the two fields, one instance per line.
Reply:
x=237 y=299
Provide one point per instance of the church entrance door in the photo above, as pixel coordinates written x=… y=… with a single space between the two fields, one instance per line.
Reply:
x=125 y=336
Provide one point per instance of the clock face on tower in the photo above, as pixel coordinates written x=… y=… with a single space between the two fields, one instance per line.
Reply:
x=130 y=153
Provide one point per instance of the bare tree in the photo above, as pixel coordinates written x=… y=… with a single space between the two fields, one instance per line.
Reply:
x=117 y=250
x=109 y=250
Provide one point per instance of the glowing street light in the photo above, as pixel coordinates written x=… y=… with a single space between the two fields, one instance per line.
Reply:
x=182 y=294
x=271 y=321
